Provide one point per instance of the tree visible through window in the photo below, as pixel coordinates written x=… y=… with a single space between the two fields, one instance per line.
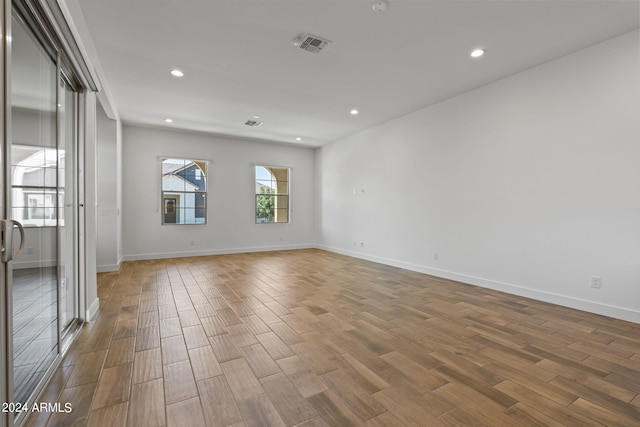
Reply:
x=184 y=191
x=272 y=194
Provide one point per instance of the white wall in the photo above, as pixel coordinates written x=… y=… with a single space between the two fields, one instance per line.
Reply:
x=88 y=174
x=107 y=183
x=231 y=223
x=529 y=185
x=120 y=250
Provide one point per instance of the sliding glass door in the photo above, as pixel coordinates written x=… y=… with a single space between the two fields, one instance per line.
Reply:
x=33 y=180
x=40 y=188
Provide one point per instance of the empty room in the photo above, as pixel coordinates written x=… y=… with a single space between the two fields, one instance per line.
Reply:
x=320 y=213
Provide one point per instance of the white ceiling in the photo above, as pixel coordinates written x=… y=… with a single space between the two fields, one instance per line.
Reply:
x=239 y=60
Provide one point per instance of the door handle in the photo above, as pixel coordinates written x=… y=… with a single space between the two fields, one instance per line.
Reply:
x=6 y=248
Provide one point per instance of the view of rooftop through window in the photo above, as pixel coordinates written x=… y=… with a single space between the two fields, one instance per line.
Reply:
x=184 y=191
x=35 y=183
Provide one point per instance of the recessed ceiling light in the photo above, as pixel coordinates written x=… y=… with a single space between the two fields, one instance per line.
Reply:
x=255 y=116
x=177 y=73
x=380 y=6
x=477 y=53
x=168 y=120
x=354 y=112
x=298 y=139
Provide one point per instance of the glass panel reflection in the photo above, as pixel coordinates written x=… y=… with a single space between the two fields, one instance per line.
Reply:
x=34 y=158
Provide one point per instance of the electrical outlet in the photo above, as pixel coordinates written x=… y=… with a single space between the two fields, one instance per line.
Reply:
x=192 y=242
x=362 y=244
x=596 y=282
x=436 y=256
x=28 y=251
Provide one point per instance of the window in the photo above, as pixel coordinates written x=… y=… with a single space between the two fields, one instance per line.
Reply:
x=36 y=182
x=184 y=191
x=272 y=194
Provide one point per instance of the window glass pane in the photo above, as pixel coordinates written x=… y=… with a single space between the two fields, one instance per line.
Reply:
x=34 y=183
x=282 y=202
x=272 y=194
x=265 y=208
x=184 y=198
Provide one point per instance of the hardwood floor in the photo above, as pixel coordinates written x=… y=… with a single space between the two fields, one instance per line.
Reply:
x=311 y=338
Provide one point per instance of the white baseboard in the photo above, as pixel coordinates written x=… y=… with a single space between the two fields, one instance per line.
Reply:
x=93 y=310
x=108 y=268
x=139 y=257
x=563 y=300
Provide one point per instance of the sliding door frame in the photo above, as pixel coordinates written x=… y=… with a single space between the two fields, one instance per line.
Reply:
x=50 y=21
x=6 y=387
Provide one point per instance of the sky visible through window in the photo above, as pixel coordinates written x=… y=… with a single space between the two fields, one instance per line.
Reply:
x=264 y=177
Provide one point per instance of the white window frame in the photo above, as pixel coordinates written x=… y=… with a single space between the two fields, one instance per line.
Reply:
x=256 y=194
x=166 y=194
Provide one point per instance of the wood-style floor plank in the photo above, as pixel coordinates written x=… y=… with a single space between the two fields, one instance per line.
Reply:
x=113 y=386
x=120 y=352
x=221 y=408
x=179 y=383
x=204 y=363
x=310 y=338
x=260 y=361
x=115 y=415
x=88 y=368
x=147 y=365
x=185 y=413
x=81 y=397
x=173 y=350
x=147 y=406
x=292 y=407
x=241 y=379
x=258 y=411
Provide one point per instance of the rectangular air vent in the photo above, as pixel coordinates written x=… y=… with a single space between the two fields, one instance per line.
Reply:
x=310 y=43
x=253 y=123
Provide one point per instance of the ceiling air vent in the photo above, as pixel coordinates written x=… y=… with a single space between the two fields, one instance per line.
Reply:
x=253 y=123
x=310 y=43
